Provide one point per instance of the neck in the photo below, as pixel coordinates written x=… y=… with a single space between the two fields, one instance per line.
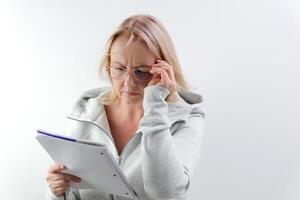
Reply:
x=130 y=112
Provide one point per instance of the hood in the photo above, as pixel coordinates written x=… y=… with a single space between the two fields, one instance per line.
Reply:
x=89 y=108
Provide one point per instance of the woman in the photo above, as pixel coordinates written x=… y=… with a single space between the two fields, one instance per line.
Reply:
x=151 y=122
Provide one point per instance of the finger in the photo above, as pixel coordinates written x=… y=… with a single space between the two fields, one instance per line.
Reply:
x=67 y=177
x=168 y=70
x=165 y=78
x=161 y=61
x=167 y=67
x=55 y=168
x=70 y=177
x=76 y=179
x=59 y=191
x=156 y=76
x=160 y=71
x=154 y=81
x=56 y=177
x=60 y=183
x=159 y=64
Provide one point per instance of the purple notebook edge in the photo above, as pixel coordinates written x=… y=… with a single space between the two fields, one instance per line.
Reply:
x=43 y=132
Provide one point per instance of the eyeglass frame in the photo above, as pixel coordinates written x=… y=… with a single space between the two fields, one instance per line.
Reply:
x=130 y=71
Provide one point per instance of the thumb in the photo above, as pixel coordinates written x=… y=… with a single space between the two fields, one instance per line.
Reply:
x=154 y=80
x=56 y=168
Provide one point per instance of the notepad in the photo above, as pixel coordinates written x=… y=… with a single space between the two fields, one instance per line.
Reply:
x=91 y=161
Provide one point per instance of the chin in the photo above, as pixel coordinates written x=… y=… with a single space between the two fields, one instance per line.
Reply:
x=131 y=100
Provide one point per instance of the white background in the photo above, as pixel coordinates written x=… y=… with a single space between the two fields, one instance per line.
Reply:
x=243 y=56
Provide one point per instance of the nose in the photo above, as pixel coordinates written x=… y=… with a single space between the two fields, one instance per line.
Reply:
x=129 y=80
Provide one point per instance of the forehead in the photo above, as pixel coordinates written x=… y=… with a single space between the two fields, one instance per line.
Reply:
x=135 y=53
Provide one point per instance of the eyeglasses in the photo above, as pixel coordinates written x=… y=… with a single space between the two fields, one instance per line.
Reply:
x=140 y=74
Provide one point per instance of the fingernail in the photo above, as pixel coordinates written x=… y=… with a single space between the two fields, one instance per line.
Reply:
x=77 y=179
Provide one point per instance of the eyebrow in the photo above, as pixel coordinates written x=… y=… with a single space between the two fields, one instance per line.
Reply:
x=139 y=66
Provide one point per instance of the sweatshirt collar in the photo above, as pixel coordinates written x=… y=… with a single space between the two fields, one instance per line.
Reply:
x=88 y=107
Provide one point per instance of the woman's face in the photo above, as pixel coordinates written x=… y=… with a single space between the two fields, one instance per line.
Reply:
x=137 y=59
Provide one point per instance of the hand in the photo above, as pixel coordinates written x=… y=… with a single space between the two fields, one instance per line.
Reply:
x=164 y=77
x=57 y=181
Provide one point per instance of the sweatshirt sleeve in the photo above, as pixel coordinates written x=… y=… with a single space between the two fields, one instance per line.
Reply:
x=168 y=160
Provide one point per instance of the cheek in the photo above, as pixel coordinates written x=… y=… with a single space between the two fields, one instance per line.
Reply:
x=117 y=85
x=142 y=90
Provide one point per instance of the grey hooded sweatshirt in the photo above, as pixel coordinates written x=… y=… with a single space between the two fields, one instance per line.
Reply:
x=160 y=158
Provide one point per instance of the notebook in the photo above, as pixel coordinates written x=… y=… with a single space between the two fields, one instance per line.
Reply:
x=90 y=161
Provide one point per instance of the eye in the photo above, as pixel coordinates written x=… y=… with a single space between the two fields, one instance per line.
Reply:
x=119 y=68
x=143 y=75
x=141 y=71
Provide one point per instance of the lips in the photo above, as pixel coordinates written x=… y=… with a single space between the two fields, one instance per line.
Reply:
x=130 y=93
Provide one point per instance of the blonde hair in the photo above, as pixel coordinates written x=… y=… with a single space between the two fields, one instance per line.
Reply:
x=149 y=30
